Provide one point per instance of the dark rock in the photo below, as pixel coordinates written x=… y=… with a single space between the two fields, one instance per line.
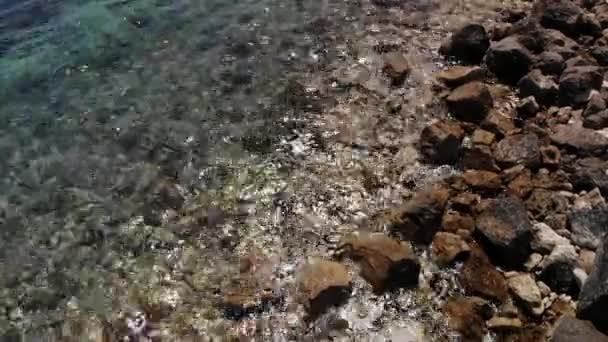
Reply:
x=519 y=149
x=542 y=87
x=420 y=218
x=41 y=299
x=478 y=157
x=386 y=264
x=590 y=173
x=562 y=15
x=595 y=105
x=550 y=155
x=509 y=60
x=480 y=278
x=397 y=67
x=557 y=42
x=588 y=25
x=470 y=102
x=498 y=123
x=593 y=298
x=551 y=63
x=449 y=248
x=580 y=139
x=323 y=284
x=458 y=75
x=559 y=276
x=576 y=84
x=570 y=329
x=588 y=220
x=467 y=315
x=600 y=53
x=468 y=44
x=505 y=232
x=527 y=107
x=440 y=142
x=598 y=120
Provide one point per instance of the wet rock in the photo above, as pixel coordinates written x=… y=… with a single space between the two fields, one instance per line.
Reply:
x=470 y=102
x=484 y=181
x=551 y=63
x=580 y=139
x=466 y=315
x=590 y=173
x=498 y=123
x=526 y=292
x=542 y=87
x=482 y=137
x=576 y=84
x=562 y=15
x=468 y=44
x=519 y=149
x=505 y=232
x=527 y=107
x=480 y=278
x=449 y=248
x=509 y=60
x=455 y=222
x=440 y=142
x=478 y=157
x=323 y=284
x=550 y=155
x=397 y=67
x=386 y=263
x=420 y=218
x=594 y=294
x=585 y=260
x=543 y=203
x=569 y=329
x=588 y=220
x=458 y=75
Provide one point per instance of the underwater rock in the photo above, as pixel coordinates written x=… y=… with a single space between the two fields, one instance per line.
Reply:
x=396 y=66
x=386 y=263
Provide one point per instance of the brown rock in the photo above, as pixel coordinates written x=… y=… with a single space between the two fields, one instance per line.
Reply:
x=498 y=123
x=520 y=149
x=440 y=142
x=509 y=60
x=482 y=137
x=505 y=232
x=522 y=185
x=479 y=277
x=550 y=155
x=323 y=284
x=386 y=263
x=470 y=102
x=455 y=222
x=449 y=248
x=577 y=83
x=458 y=75
x=396 y=66
x=503 y=324
x=478 y=157
x=420 y=218
x=466 y=315
x=466 y=202
x=581 y=140
x=482 y=180
x=467 y=44
x=541 y=87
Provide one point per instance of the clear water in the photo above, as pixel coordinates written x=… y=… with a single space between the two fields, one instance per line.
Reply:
x=147 y=144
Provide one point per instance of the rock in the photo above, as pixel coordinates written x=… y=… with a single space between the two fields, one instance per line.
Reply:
x=527 y=107
x=543 y=203
x=570 y=329
x=576 y=84
x=594 y=294
x=585 y=260
x=557 y=270
x=457 y=75
x=498 y=123
x=551 y=63
x=466 y=202
x=449 y=248
x=550 y=155
x=503 y=324
x=386 y=264
x=440 y=142
x=482 y=137
x=420 y=218
x=590 y=173
x=470 y=102
x=588 y=220
x=526 y=292
x=505 y=232
x=579 y=139
x=557 y=42
x=595 y=105
x=533 y=261
x=579 y=61
x=468 y=44
x=580 y=276
x=546 y=239
x=522 y=185
x=519 y=149
x=600 y=53
x=478 y=157
x=455 y=222
x=484 y=181
x=562 y=15
x=480 y=278
x=466 y=315
x=509 y=60
x=396 y=66
x=323 y=284
x=542 y=87
x=597 y=120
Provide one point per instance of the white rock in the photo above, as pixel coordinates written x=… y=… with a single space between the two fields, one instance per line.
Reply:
x=561 y=253
x=524 y=288
x=546 y=239
x=533 y=261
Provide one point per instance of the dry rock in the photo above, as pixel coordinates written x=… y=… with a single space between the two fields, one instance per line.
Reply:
x=509 y=60
x=323 y=284
x=458 y=75
x=579 y=139
x=466 y=315
x=570 y=329
x=541 y=87
x=480 y=278
x=440 y=142
x=484 y=181
x=525 y=290
x=519 y=149
x=468 y=44
x=470 y=102
x=594 y=294
x=449 y=248
x=576 y=84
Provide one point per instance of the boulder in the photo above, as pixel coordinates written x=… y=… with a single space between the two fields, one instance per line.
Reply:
x=562 y=15
x=519 y=149
x=579 y=139
x=457 y=75
x=470 y=102
x=480 y=278
x=551 y=63
x=397 y=67
x=509 y=60
x=441 y=142
x=386 y=264
x=449 y=248
x=576 y=84
x=323 y=284
x=593 y=298
x=526 y=292
x=468 y=44
x=570 y=329
x=542 y=87
x=505 y=232
x=420 y=218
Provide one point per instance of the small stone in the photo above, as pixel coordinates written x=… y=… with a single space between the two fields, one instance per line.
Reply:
x=480 y=180
x=570 y=329
x=480 y=278
x=468 y=44
x=541 y=87
x=579 y=139
x=470 y=102
x=525 y=290
x=458 y=75
x=503 y=324
x=509 y=60
x=577 y=83
x=533 y=261
x=323 y=284
x=551 y=63
x=449 y=248
x=466 y=316
x=465 y=202
x=478 y=157
x=519 y=149
x=396 y=66
x=441 y=142
x=483 y=137
x=527 y=107
x=386 y=263
x=498 y=123
x=550 y=155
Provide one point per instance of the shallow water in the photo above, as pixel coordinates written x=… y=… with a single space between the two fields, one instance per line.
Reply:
x=148 y=144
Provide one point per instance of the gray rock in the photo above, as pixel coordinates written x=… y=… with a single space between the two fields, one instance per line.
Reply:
x=580 y=139
x=551 y=63
x=509 y=60
x=468 y=44
x=526 y=292
x=576 y=84
x=588 y=220
x=570 y=329
x=542 y=87
x=593 y=298
x=590 y=173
